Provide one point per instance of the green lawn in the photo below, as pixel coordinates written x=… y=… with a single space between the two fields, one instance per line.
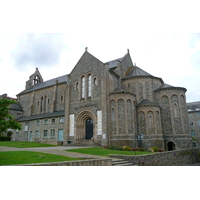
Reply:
x=24 y=144
x=26 y=157
x=105 y=152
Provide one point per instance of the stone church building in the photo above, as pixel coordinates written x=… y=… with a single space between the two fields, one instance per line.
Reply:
x=112 y=103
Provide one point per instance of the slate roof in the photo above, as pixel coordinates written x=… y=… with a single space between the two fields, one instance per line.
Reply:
x=136 y=71
x=193 y=106
x=120 y=90
x=113 y=63
x=167 y=86
x=16 y=106
x=44 y=84
x=42 y=116
x=146 y=102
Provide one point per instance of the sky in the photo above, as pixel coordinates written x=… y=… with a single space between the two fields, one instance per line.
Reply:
x=161 y=41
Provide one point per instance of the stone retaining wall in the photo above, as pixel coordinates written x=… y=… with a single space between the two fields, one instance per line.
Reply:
x=170 y=158
x=89 y=162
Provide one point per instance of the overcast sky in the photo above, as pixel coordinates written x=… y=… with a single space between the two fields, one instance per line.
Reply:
x=157 y=37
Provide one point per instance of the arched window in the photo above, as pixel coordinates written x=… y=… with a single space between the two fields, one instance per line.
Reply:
x=89 y=85
x=83 y=87
x=95 y=81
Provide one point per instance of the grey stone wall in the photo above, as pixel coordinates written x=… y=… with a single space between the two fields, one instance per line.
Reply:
x=170 y=158
x=90 y=162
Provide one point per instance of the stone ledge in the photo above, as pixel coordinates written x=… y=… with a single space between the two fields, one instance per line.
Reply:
x=89 y=162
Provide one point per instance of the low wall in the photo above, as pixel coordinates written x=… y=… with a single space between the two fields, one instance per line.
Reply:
x=169 y=158
x=89 y=162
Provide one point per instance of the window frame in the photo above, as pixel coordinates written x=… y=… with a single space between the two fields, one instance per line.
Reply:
x=45 y=133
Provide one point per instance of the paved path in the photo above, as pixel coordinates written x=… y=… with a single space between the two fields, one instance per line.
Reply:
x=53 y=150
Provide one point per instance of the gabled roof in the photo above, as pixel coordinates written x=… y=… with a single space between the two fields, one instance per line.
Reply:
x=48 y=83
x=42 y=116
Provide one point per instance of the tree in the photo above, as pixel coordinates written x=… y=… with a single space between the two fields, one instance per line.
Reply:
x=6 y=120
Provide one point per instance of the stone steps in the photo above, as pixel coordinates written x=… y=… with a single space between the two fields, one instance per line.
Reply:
x=88 y=143
x=121 y=162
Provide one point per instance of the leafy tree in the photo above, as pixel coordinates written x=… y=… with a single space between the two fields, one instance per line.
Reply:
x=6 y=120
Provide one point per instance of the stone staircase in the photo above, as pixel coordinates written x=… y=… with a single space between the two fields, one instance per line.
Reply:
x=121 y=162
x=88 y=143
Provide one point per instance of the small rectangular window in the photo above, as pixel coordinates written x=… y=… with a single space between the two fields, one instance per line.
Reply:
x=191 y=123
x=52 y=133
x=45 y=133
x=61 y=120
x=37 y=134
x=46 y=121
x=53 y=121
x=38 y=122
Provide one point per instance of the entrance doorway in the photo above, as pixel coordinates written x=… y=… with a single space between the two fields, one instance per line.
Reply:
x=30 y=137
x=60 y=135
x=170 y=146
x=88 y=129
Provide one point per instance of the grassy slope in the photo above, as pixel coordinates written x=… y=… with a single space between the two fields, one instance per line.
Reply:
x=105 y=152
x=26 y=157
x=23 y=144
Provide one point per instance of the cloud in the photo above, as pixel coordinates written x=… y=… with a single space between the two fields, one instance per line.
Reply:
x=42 y=50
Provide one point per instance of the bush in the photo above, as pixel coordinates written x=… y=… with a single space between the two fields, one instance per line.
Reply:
x=140 y=149
x=112 y=147
x=126 y=148
x=5 y=138
x=160 y=150
x=154 y=149
x=134 y=149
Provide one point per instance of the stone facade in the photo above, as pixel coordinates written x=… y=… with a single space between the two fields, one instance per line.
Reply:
x=194 y=122
x=108 y=103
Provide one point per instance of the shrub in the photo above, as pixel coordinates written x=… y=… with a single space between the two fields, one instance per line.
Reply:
x=134 y=149
x=126 y=148
x=154 y=149
x=160 y=150
x=140 y=149
x=112 y=147
x=5 y=138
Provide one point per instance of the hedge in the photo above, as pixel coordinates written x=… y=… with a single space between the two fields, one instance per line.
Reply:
x=5 y=138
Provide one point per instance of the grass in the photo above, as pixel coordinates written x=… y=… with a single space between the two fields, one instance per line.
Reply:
x=105 y=152
x=24 y=144
x=27 y=157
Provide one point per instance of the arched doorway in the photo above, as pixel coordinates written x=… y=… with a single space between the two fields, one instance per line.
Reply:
x=88 y=129
x=170 y=146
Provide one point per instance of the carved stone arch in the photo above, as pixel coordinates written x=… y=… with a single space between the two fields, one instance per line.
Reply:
x=171 y=145
x=81 y=122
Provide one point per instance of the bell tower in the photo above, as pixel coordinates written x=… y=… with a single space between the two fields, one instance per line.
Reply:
x=34 y=79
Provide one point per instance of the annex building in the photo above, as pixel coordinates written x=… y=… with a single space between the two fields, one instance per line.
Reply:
x=104 y=103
